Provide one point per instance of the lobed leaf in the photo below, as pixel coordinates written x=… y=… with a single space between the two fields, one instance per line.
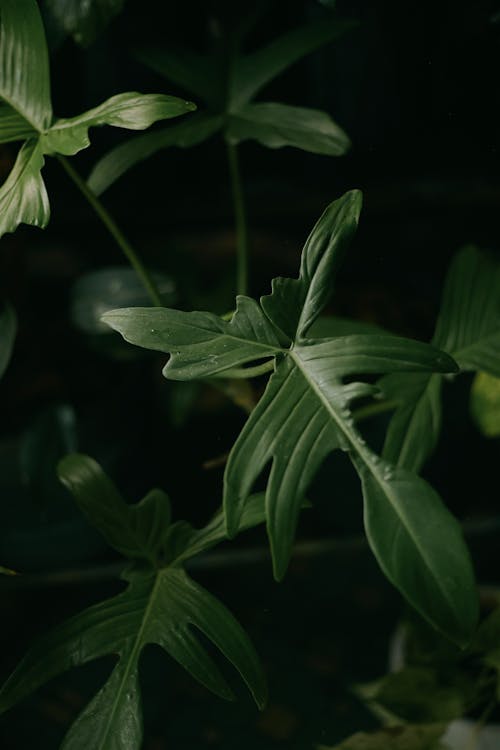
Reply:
x=277 y=125
x=305 y=413
x=130 y=110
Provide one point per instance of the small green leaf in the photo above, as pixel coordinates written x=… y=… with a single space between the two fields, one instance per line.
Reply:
x=84 y=20
x=253 y=72
x=23 y=197
x=132 y=111
x=8 y=329
x=277 y=125
x=115 y=163
x=401 y=737
x=24 y=66
x=485 y=403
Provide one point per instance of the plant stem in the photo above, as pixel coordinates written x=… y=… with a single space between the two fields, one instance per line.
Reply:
x=115 y=232
x=240 y=220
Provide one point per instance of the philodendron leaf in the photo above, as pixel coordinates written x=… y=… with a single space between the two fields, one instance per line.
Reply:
x=305 y=413
x=400 y=737
x=468 y=328
x=84 y=19
x=8 y=329
x=227 y=85
x=132 y=111
x=161 y=605
x=277 y=125
x=26 y=114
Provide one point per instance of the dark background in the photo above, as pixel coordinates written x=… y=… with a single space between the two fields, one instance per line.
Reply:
x=415 y=85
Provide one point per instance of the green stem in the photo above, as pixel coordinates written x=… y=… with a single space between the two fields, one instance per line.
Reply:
x=371 y=410
x=115 y=232
x=240 y=219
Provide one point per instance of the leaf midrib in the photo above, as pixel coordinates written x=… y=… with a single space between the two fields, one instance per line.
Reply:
x=132 y=659
x=362 y=453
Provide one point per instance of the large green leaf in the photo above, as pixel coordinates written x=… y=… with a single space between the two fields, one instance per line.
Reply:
x=132 y=111
x=84 y=19
x=161 y=605
x=8 y=329
x=13 y=126
x=276 y=125
x=305 y=413
x=23 y=197
x=24 y=64
x=468 y=328
x=115 y=163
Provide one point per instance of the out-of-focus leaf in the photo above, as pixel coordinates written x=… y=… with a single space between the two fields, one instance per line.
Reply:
x=99 y=291
x=24 y=65
x=184 y=67
x=115 y=163
x=485 y=403
x=305 y=413
x=401 y=737
x=468 y=328
x=327 y=326
x=277 y=125
x=8 y=329
x=161 y=606
x=132 y=111
x=23 y=197
x=254 y=71
x=84 y=20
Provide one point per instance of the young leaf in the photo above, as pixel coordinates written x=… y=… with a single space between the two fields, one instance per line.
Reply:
x=468 y=328
x=161 y=606
x=84 y=19
x=277 y=125
x=132 y=111
x=23 y=197
x=8 y=329
x=305 y=413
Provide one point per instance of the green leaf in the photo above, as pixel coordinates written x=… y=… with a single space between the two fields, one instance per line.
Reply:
x=277 y=125
x=136 y=531
x=192 y=72
x=115 y=163
x=253 y=72
x=8 y=329
x=24 y=65
x=131 y=110
x=200 y=344
x=485 y=403
x=468 y=328
x=305 y=413
x=84 y=19
x=327 y=326
x=13 y=127
x=23 y=197
x=401 y=737
x=165 y=609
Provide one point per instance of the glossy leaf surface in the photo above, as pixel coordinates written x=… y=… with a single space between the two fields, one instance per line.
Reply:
x=161 y=605
x=468 y=328
x=305 y=413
